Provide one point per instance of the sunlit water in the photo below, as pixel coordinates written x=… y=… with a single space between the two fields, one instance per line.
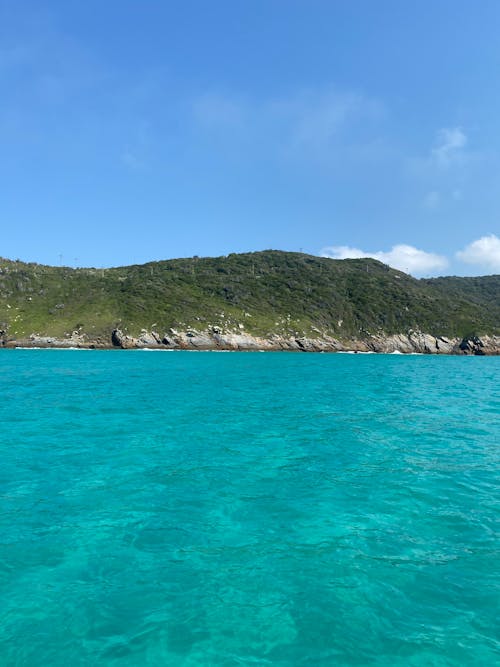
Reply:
x=197 y=509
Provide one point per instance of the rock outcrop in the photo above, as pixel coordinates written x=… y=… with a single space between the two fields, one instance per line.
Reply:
x=213 y=338
x=413 y=342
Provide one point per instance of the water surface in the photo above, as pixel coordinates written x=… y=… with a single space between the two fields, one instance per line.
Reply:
x=198 y=509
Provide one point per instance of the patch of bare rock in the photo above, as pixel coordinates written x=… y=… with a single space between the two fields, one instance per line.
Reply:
x=216 y=339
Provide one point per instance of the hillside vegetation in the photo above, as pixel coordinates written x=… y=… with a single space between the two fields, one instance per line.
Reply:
x=263 y=293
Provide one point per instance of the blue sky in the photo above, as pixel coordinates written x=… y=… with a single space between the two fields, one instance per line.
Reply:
x=133 y=131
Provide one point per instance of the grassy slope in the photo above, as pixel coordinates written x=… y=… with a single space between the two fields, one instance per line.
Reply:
x=267 y=292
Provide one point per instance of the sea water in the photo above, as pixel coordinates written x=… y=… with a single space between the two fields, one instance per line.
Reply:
x=237 y=509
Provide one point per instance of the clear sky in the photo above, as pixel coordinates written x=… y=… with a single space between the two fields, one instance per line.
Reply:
x=133 y=131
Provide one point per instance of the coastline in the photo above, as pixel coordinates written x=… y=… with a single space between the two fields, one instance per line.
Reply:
x=412 y=342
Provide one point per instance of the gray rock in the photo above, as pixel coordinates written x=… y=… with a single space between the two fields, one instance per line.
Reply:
x=444 y=345
x=240 y=341
x=119 y=339
x=169 y=341
x=147 y=340
x=477 y=346
x=201 y=341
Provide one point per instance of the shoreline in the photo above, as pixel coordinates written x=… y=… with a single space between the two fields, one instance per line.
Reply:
x=413 y=342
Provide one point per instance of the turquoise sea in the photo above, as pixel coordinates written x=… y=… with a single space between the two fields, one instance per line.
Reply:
x=248 y=509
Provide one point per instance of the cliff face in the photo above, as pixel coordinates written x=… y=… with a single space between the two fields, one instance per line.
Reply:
x=265 y=300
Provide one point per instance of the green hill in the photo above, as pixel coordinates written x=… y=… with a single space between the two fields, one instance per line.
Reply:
x=263 y=293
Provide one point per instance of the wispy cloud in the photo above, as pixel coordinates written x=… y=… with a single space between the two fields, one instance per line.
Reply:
x=445 y=168
x=305 y=122
x=216 y=109
x=317 y=117
x=132 y=161
x=449 y=146
x=484 y=252
x=435 y=199
x=432 y=199
x=137 y=153
x=403 y=257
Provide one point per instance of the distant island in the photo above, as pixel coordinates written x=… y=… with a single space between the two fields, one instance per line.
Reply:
x=269 y=300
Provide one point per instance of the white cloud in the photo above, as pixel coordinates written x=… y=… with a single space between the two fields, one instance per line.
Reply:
x=449 y=144
x=403 y=257
x=484 y=252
